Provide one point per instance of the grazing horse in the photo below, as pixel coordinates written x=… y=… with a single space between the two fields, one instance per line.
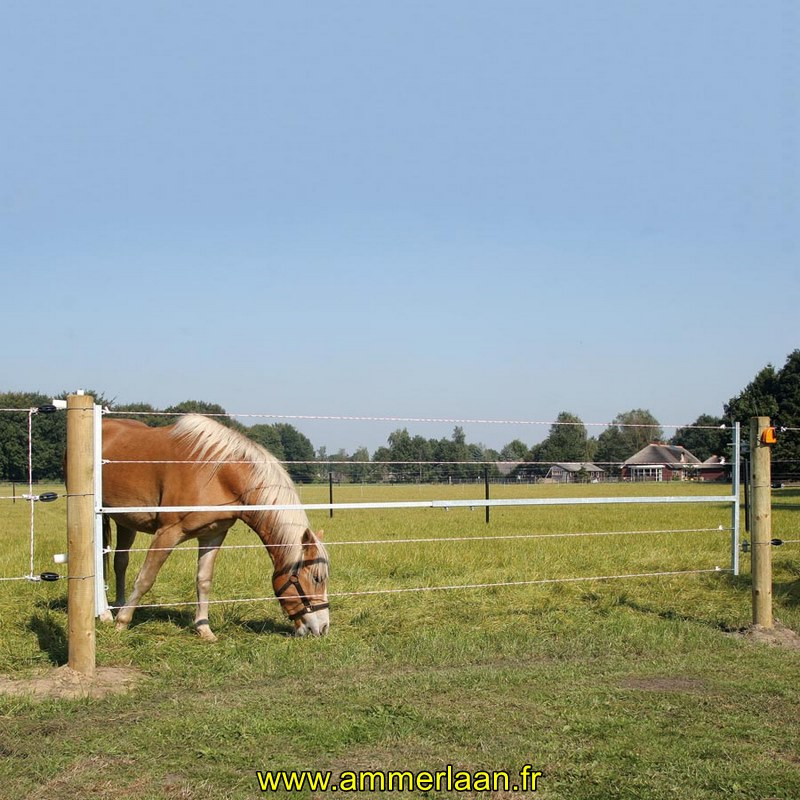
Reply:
x=198 y=462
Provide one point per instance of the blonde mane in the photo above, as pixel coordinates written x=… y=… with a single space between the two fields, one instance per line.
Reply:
x=268 y=482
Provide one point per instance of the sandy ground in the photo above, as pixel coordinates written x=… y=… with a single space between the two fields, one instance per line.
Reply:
x=777 y=636
x=64 y=682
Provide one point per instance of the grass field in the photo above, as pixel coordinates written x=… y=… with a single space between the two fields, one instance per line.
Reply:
x=635 y=688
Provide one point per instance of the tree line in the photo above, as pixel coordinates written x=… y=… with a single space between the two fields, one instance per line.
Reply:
x=49 y=434
x=406 y=457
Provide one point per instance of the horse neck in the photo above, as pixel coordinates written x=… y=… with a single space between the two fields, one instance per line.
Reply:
x=280 y=531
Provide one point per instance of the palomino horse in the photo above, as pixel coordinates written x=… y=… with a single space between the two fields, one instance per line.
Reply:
x=198 y=462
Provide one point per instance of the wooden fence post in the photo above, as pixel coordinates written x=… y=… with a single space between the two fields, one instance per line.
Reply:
x=80 y=534
x=761 y=522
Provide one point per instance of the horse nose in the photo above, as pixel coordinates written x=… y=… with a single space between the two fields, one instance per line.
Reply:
x=319 y=627
x=322 y=622
x=314 y=624
x=312 y=630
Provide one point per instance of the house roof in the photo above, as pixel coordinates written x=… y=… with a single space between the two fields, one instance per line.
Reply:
x=664 y=455
x=507 y=467
x=577 y=466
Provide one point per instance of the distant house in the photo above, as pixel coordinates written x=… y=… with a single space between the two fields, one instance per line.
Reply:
x=575 y=472
x=505 y=468
x=660 y=462
x=716 y=468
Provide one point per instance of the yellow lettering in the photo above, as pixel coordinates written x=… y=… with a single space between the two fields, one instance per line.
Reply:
x=348 y=782
x=268 y=782
x=401 y=777
x=481 y=782
x=462 y=782
x=424 y=782
x=501 y=782
x=373 y=780
x=444 y=777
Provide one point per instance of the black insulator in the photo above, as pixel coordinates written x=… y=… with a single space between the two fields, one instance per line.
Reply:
x=776 y=542
x=745 y=546
x=48 y=497
x=50 y=576
x=47 y=409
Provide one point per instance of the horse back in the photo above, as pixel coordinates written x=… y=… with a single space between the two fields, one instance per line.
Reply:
x=143 y=468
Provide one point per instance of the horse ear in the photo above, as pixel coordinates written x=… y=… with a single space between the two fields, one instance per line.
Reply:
x=309 y=537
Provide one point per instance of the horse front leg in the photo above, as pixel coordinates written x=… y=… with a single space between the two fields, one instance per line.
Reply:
x=164 y=542
x=207 y=551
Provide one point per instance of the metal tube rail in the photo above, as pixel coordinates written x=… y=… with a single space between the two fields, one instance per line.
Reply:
x=477 y=503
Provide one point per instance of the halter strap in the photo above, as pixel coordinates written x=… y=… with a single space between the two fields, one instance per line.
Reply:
x=308 y=606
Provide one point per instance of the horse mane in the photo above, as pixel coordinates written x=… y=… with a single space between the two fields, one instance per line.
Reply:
x=267 y=484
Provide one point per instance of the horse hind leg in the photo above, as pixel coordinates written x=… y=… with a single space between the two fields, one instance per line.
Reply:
x=106 y=615
x=122 y=557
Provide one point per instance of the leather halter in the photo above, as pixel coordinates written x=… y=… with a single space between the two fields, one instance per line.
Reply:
x=293 y=581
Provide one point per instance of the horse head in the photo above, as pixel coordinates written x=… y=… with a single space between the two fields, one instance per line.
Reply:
x=302 y=587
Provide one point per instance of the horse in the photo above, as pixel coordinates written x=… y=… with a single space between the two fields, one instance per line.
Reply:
x=199 y=462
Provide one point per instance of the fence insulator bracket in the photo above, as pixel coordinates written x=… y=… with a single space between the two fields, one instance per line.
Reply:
x=745 y=546
x=50 y=576
x=49 y=408
x=776 y=542
x=45 y=497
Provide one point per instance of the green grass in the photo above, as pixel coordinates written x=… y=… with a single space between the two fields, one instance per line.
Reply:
x=614 y=689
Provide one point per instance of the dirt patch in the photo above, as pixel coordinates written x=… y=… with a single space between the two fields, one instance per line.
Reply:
x=777 y=636
x=662 y=683
x=65 y=683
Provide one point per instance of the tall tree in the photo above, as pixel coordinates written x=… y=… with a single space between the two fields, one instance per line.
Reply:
x=612 y=447
x=787 y=452
x=707 y=436
x=455 y=454
x=627 y=434
x=788 y=397
x=267 y=436
x=774 y=394
x=361 y=469
x=297 y=447
x=48 y=437
x=757 y=399
x=788 y=391
x=404 y=450
x=515 y=450
x=566 y=441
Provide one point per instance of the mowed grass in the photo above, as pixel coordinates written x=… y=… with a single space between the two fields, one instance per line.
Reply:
x=620 y=688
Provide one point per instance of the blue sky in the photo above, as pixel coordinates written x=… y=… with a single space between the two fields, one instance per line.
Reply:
x=444 y=209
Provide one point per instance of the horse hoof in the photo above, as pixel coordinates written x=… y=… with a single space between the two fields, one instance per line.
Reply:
x=121 y=626
x=205 y=633
x=107 y=616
